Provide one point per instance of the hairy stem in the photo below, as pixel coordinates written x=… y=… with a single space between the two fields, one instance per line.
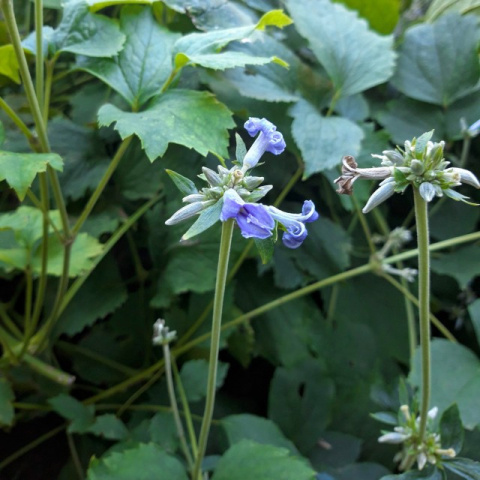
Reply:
x=223 y=257
x=421 y=216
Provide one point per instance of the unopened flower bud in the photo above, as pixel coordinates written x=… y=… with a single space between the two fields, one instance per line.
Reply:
x=417 y=167
x=188 y=211
x=194 y=197
x=395 y=157
x=427 y=191
x=379 y=195
x=258 y=193
x=213 y=178
x=252 y=182
x=466 y=176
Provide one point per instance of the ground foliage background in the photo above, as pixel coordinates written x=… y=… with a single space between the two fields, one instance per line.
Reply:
x=299 y=380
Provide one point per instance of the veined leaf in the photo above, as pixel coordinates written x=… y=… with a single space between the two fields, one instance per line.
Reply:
x=354 y=57
x=441 y=7
x=8 y=63
x=139 y=71
x=20 y=169
x=95 y=5
x=192 y=119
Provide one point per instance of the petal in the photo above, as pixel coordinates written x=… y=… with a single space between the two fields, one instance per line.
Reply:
x=254 y=125
x=466 y=176
x=232 y=203
x=255 y=221
x=308 y=211
x=295 y=235
x=276 y=143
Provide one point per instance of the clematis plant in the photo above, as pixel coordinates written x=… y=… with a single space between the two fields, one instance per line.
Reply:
x=231 y=196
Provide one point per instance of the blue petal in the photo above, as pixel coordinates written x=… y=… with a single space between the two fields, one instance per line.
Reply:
x=255 y=221
x=308 y=211
x=254 y=125
x=276 y=143
x=232 y=203
x=295 y=235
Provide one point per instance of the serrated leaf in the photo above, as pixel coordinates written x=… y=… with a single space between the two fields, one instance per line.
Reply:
x=382 y=15
x=139 y=71
x=20 y=169
x=248 y=459
x=257 y=429
x=144 y=462
x=194 y=374
x=163 y=431
x=441 y=7
x=209 y=217
x=464 y=468
x=8 y=63
x=354 y=57
x=438 y=62
x=86 y=33
x=7 y=412
x=204 y=48
x=184 y=184
x=451 y=429
x=460 y=264
x=458 y=381
x=109 y=426
x=169 y=119
x=323 y=141
x=81 y=416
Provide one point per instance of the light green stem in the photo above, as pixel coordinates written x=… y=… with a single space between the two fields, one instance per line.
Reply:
x=17 y=121
x=39 y=70
x=174 y=405
x=421 y=216
x=222 y=269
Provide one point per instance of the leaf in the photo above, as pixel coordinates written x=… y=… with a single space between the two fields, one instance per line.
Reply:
x=184 y=184
x=456 y=379
x=382 y=15
x=7 y=412
x=2 y=133
x=451 y=429
x=474 y=311
x=441 y=7
x=109 y=426
x=144 y=462
x=139 y=71
x=248 y=459
x=81 y=416
x=204 y=48
x=86 y=33
x=207 y=218
x=163 y=431
x=323 y=141
x=354 y=57
x=169 y=119
x=300 y=402
x=265 y=248
x=30 y=42
x=20 y=169
x=438 y=63
x=340 y=450
x=464 y=468
x=102 y=293
x=460 y=264
x=194 y=374
x=432 y=473
x=8 y=63
x=99 y=4
x=361 y=471
x=257 y=429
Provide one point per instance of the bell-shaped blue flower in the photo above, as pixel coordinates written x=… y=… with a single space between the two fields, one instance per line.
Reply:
x=294 y=224
x=269 y=140
x=253 y=219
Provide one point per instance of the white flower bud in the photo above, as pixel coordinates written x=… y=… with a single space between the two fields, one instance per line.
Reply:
x=393 y=437
x=466 y=176
x=194 y=197
x=213 y=178
x=421 y=460
x=188 y=211
x=379 y=195
x=427 y=191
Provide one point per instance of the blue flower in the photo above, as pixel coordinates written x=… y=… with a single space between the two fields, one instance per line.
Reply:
x=269 y=140
x=253 y=219
x=294 y=224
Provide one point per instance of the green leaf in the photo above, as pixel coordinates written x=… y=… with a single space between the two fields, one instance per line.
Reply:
x=8 y=63
x=109 y=426
x=163 y=431
x=194 y=375
x=323 y=141
x=354 y=57
x=144 y=462
x=360 y=471
x=257 y=429
x=99 y=4
x=20 y=169
x=140 y=70
x=438 y=63
x=209 y=217
x=343 y=450
x=461 y=264
x=81 y=416
x=301 y=401
x=441 y=7
x=248 y=459
x=464 y=468
x=204 y=48
x=2 y=133
x=386 y=417
x=184 y=184
x=101 y=294
x=429 y=473
x=30 y=42
x=86 y=33
x=169 y=119
x=451 y=429
x=458 y=380
x=7 y=412
x=265 y=248
x=382 y=15
x=474 y=311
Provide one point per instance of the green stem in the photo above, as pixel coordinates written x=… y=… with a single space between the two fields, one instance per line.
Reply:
x=173 y=403
x=335 y=98
x=222 y=269
x=75 y=458
x=28 y=302
x=39 y=73
x=48 y=88
x=48 y=371
x=9 y=322
x=421 y=216
x=17 y=121
x=101 y=186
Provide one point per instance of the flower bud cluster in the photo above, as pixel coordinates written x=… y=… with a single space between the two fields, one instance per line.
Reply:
x=421 y=164
x=161 y=333
x=428 y=450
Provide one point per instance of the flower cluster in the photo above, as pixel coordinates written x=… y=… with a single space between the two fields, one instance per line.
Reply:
x=237 y=192
x=424 y=451
x=421 y=164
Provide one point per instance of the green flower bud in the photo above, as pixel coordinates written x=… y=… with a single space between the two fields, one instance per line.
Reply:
x=417 y=167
